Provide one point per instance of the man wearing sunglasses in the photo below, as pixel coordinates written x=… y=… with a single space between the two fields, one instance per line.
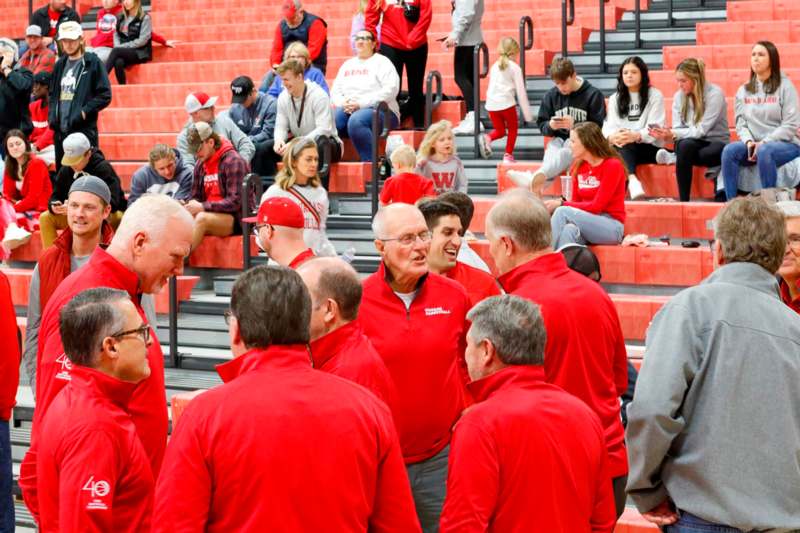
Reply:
x=278 y=228
x=93 y=471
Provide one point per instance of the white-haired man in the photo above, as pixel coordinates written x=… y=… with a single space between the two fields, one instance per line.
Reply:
x=789 y=271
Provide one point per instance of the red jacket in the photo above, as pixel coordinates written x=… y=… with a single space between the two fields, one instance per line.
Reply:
x=600 y=189
x=93 y=473
x=42 y=135
x=527 y=458
x=479 y=284
x=348 y=353
x=396 y=30
x=148 y=405
x=786 y=296
x=585 y=353
x=423 y=348
x=281 y=447
x=36 y=187
x=9 y=351
x=406 y=188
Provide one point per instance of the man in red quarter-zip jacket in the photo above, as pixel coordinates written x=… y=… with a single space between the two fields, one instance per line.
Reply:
x=415 y=319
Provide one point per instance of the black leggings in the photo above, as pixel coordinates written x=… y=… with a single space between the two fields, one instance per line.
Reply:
x=692 y=153
x=119 y=58
x=637 y=154
x=463 y=65
x=415 y=62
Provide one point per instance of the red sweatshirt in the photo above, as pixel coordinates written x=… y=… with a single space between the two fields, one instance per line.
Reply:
x=93 y=473
x=9 y=351
x=600 y=189
x=42 y=135
x=423 y=348
x=281 y=447
x=585 y=353
x=36 y=187
x=106 y=26
x=148 y=405
x=396 y=30
x=406 y=188
x=528 y=457
x=348 y=353
x=479 y=284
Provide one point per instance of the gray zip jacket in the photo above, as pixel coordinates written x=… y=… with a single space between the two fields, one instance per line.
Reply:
x=767 y=117
x=713 y=125
x=715 y=420
x=466 y=19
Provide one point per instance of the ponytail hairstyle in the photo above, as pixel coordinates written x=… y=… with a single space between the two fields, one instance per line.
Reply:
x=592 y=138
x=774 y=81
x=624 y=95
x=285 y=179
x=695 y=70
x=436 y=130
x=507 y=48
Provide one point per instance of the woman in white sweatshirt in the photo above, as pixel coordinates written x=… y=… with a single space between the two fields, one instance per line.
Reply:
x=360 y=85
x=635 y=105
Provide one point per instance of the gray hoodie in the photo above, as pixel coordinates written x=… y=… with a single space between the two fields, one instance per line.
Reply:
x=466 y=18
x=713 y=126
x=767 y=117
x=147 y=180
x=224 y=126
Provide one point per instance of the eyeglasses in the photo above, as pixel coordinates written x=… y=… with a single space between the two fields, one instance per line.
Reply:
x=258 y=227
x=227 y=316
x=793 y=242
x=410 y=238
x=363 y=37
x=143 y=331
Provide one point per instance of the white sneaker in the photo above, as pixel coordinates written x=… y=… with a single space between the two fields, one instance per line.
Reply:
x=635 y=188
x=486 y=146
x=467 y=126
x=665 y=157
x=521 y=178
x=15 y=236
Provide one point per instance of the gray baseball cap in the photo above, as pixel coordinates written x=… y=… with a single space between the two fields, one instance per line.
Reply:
x=92 y=184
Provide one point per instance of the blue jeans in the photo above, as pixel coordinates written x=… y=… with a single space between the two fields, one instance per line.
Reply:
x=689 y=523
x=771 y=156
x=428 y=480
x=6 y=481
x=358 y=128
x=573 y=225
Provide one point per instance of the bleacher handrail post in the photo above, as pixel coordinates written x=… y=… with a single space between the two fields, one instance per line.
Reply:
x=380 y=130
x=525 y=40
x=479 y=71
x=637 y=40
x=567 y=18
x=30 y=9
x=174 y=356
x=603 y=35
x=431 y=101
x=250 y=180
x=669 y=13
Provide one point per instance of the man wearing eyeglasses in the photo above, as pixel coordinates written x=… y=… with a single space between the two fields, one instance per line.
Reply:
x=92 y=472
x=789 y=271
x=278 y=228
x=416 y=321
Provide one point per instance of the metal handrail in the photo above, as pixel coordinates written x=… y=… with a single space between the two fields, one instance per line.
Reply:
x=378 y=132
x=603 y=35
x=325 y=158
x=525 y=40
x=669 y=13
x=432 y=100
x=250 y=180
x=479 y=71
x=566 y=20
x=637 y=20
x=174 y=356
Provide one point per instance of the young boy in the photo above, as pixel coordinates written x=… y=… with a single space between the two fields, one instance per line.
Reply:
x=405 y=186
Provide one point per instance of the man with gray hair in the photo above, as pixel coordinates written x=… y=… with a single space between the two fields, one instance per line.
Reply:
x=149 y=246
x=712 y=429
x=93 y=473
x=585 y=353
x=789 y=271
x=524 y=440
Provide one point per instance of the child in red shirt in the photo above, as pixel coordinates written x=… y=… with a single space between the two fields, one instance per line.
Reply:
x=405 y=186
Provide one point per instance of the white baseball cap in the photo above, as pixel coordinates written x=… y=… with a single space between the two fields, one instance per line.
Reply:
x=69 y=30
x=197 y=101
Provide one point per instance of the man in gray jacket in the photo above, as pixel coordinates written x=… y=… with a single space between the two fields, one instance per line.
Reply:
x=713 y=427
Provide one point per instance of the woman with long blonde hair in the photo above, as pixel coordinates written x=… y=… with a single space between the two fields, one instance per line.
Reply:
x=437 y=159
x=133 y=40
x=595 y=211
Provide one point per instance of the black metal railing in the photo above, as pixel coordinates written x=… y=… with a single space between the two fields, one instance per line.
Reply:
x=479 y=71
x=380 y=130
x=432 y=98
x=174 y=356
x=567 y=18
x=603 y=35
x=252 y=180
x=525 y=40
x=637 y=24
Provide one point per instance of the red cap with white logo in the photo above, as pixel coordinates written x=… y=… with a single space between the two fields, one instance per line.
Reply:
x=197 y=101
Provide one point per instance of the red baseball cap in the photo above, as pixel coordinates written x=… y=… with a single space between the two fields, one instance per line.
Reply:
x=279 y=212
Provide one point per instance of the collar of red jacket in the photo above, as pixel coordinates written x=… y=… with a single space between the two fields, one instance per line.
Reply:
x=97 y=383
x=545 y=264
x=786 y=296
x=515 y=376
x=212 y=165
x=279 y=357
x=328 y=346
x=102 y=261
x=386 y=276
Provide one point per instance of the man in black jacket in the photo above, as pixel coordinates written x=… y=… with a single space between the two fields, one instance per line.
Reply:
x=15 y=93
x=50 y=17
x=79 y=89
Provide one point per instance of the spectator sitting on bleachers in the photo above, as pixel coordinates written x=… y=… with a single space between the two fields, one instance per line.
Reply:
x=767 y=119
x=360 y=85
x=88 y=207
x=278 y=228
x=299 y=181
x=359 y=24
x=133 y=40
x=404 y=186
x=254 y=113
x=9 y=369
x=79 y=90
x=571 y=101
x=79 y=158
x=200 y=107
x=38 y=57
x=437 y=159
x=165 y=173
x=596 y=212
x=50 y=17
x=42 y=136
x=26 y=181
x=216 y=201
x=296 y=51
x=466 y=210
x=444 y=222
x=789 y=271
x=299 y=25
x=635 y=105
x=15 y=92
x=699 y=125
x=304 y=110
x=103 y=40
